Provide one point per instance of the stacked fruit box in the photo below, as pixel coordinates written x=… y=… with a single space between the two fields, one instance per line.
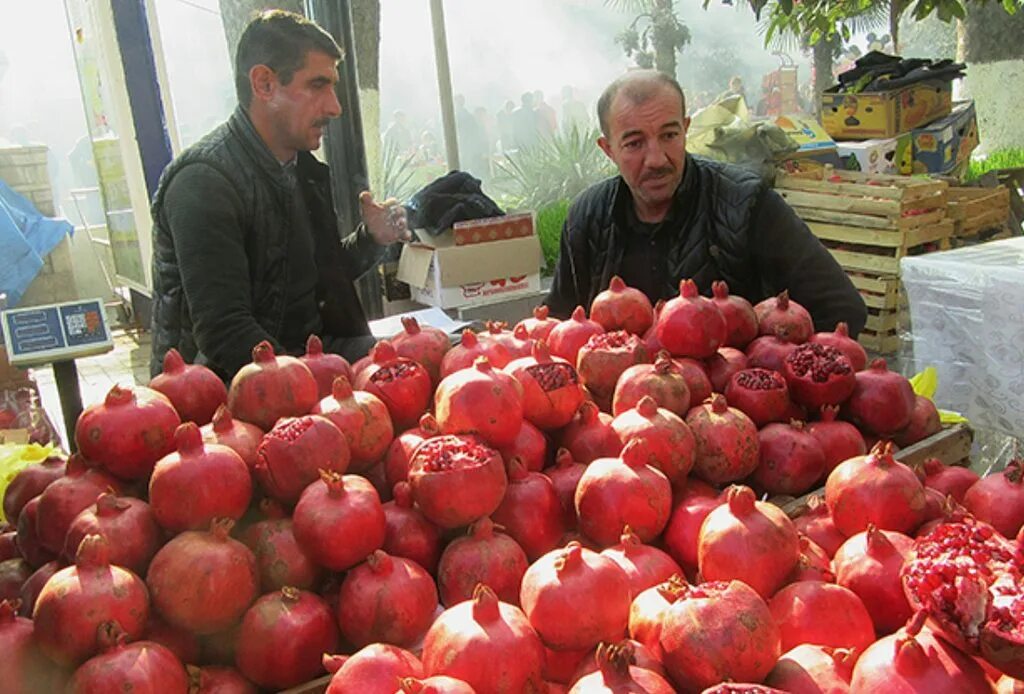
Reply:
x=978 y=214
x=869 y=222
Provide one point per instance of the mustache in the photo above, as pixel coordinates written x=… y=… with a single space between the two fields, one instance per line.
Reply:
x=322 y=123
x=658 y=173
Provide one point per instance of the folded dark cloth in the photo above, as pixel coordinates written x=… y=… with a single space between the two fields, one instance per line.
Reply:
x=455 y=197
x=878 y=71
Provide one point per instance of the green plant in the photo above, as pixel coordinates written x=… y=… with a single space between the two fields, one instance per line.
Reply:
x=1009 y=158
x=396 y=177
x=549 y=230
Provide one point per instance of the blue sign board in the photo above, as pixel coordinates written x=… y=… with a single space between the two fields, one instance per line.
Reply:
x=57 y=332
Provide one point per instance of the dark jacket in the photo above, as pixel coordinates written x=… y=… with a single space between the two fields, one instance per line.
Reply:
x=736 y=229
x=220 y=241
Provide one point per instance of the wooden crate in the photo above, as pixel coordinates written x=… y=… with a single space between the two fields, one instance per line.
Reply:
x=977 y=209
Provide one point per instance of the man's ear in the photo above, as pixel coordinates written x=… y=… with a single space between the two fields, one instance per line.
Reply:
x=686 y=124
x=262 y=80
x=605 y=146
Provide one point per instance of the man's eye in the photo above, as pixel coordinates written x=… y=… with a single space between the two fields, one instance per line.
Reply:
x=670 y=135
x=632 y=144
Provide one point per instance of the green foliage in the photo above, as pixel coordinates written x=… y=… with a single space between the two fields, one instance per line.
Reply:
x=1009 y=158
x=655 y=34
x=397 y=175
x=549 y=230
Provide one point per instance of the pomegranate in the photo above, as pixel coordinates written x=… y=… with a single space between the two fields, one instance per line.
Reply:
x=439 y=684
x=924 y=421
x=128 y=432
x=424 y=344
x=841 y=340
x=723 y=365
x=386 y=599
x=183 y=644
x=279 y=558
x=565 y=478
x=663 y=380
x=616 y=492
x=339 y=520
x=540 y=325
x=516 y=341
x=718 y=631
x=324 y=366
x=813 y=564
x=791 y=460
x=647 y=611
x=747 y=540
x=218 y=680
x=530 y=512
x=9 y=546
x=760 y=394
x=241 y=437
x=770 y=351
x=462 y=355
x=948 y=480
x=143 y=666
x=27 y=539
x=651 y=336
x=293 y=453
x=814 y=520
x=401 y=383
x=76 y=600
x=603 y=358
x=818 y=375
x=670 y=445
x=482 y=401
x=727 y=446
x=199 y=482
x=839 y=441
x=566 y=338
x=559 y=591
x=875 y=488
x=998 y=499
x=811 y=669
x=781 y=311
x=644 y=565
x=271 y=387
x=481 y=557
x=31 y=588
x=550 y=385
x=691 y=508
x=457 y=479
x=372 y=670
x=798 y=610
x=364 y=420
x=869 y=564
x=26 y=669
x=396 y=463
x=616 y=674
x=30 y=483
x=914 y=660
x=14 y=573
x=211 y=599
x=622 y=308
x=590 y=435
x=882 y=401
x=471 y=641
x=283 y=637
x=128 y=525
x=530 y=446
x=58 y=505
x=643 y=658
x=740 y=319
x=195 y=391
x=408 y=533
x=691 y=325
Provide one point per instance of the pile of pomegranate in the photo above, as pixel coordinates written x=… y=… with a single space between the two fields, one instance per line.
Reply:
x=588 y=505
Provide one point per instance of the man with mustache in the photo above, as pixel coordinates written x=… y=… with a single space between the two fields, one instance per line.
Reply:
x=670 y=216
x=246 y=245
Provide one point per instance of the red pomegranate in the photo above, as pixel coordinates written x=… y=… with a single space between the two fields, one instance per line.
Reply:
x=691 y=325
x=715 y=632
x=770 y=351
x=271 y=387
x=550 y=385
x=293 y=453
x=841 y=340
x=530 y=512
x=128 y=432
x=644 y=565
x=670 y=443
x=948 y=480
x=818 y=375
x=530 y=446
x=78 y=599
x=839 y=441
x=869 y=564
x=408 y=533
x=14 y=573
x=183 y=644
x=364 y=420
x=590 y=435
x=875 y=488
x=651 y=336
x=647 y=611
x=781 y=311
x=516 y=341
x=740 y=319
x=482 y=401
x=199 y=482
x=283 y=636
x=386 y=599
x=422 y=343
x=924 y=421
x=791 y=460
x=396 y=463
x=401 y=383
x=760 y=394
x=241 y=437
x=810 y=669
x=324 y=366
x=603 y=358
x=471 y=641
x=629 y=490
x=748 y=540
x=462 y=355
x=279 y=558
x=616 y=674
x=566 y=338
x=143 y=666
x=128 y=525
x=339 y=520
x=372 y=670
x=798 y=610
x=622 y=308
x=31 y=588
x=218 y=680
x=26 y=669
x=882 y=401
x=456 y=480
x=30 y=483
x=438 y=684
x=697 y=379
x=209 y=600
x=27 y=539
x=723 y=365
x=195 y=391
x=727 y=446
x=692 y=506
x=813 y=564
x=540 y=325
x=483 y=556
x=663 y=380
x=58 y=505
x=998 y=499
x=9 y=546
x=565 y=478
x=643 y=658
x=814 y=520
x=914 y=660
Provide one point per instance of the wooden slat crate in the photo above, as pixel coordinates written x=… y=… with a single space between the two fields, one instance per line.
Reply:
x=976 y=209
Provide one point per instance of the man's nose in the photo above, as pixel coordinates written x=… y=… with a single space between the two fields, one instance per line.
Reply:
x=655 y=155
x=333 y=105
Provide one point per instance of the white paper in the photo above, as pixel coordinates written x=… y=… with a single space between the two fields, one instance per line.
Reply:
x=434 y=317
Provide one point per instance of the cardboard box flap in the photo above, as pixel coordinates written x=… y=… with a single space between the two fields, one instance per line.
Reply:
x=472 y=263
x=414 y=264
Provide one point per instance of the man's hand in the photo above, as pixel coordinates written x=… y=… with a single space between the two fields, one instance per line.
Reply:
x=385 y=221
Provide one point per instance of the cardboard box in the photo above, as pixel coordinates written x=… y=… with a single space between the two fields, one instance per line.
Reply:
x=885 y=114
x=893 y=155
x=807 y=132
x=473 y=274
x=513 y=226
x=943 y=145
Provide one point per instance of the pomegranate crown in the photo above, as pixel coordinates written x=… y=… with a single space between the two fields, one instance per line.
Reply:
x=541 y=312
x=411 y=325
x=173 y=362
x=314 y=346
x=720 y=289
x=616 y=284
x=263 y=353
x=341 y=388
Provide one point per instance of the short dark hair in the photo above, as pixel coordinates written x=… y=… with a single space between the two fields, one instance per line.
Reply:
x=280 y=40
x=638 y=86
